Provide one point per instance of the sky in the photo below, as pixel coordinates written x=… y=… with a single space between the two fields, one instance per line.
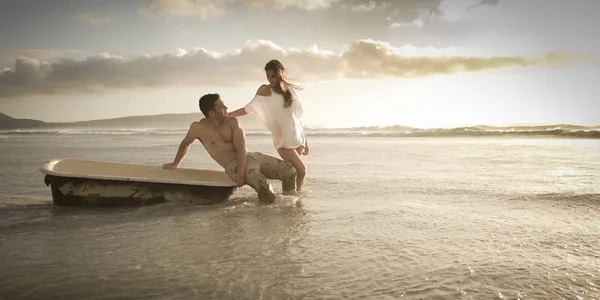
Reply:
x=423 y=63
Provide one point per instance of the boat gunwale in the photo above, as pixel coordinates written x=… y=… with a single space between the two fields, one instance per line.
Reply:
x=49 y=165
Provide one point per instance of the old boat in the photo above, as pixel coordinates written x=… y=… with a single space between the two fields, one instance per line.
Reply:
x=100 y=183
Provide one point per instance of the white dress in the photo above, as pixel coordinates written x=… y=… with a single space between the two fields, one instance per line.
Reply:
x=283 y=122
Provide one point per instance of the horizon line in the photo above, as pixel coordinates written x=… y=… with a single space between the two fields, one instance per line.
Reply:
x=316 y=126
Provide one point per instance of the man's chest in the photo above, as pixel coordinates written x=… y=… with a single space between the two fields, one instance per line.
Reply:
x=220 y=136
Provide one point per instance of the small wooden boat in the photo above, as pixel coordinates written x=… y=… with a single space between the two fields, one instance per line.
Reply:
x=97 y=183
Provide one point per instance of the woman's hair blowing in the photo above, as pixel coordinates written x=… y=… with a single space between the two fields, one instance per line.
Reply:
x=283 y=87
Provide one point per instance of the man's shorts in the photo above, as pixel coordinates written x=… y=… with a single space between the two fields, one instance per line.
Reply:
x=269 y=166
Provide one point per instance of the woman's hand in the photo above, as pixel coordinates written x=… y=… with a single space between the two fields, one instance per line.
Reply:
x=305 y=152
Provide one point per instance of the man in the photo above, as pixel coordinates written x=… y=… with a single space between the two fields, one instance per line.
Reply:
x=225 y=142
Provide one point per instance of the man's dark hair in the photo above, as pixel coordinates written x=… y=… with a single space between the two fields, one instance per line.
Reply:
x=207 y=103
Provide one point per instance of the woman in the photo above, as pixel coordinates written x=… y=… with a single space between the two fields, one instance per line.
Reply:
x=278 y=108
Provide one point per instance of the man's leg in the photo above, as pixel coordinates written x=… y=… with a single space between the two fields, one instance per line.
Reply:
x=258 y=181
x=253 y=178
x=275 y=168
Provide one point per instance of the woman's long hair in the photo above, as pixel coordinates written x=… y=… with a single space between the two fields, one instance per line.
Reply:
x=284 y=86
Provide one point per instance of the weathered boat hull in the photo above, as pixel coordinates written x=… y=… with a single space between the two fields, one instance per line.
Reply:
x=115 y=184
x=78 y=191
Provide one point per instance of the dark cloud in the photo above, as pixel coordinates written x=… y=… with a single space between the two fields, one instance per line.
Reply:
x=363 y=59
x=484 y=2
x=92 y=18
x=205 y=9
x=42 y=54
x=405 y=10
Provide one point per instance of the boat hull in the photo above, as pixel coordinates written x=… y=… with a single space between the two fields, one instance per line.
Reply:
x=72 y=191
x=92 y=183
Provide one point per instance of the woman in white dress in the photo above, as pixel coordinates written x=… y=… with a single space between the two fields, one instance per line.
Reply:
x=278 y=108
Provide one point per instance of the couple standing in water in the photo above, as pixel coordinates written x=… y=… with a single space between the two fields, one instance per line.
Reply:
x=279 y=109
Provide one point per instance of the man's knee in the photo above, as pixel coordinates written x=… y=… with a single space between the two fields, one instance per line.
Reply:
x=290 y=170
x=293 y=173
x=288 y=178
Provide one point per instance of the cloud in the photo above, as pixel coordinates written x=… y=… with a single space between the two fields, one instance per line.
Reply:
x=454 y=22
x=208 y=9
x=283 y=4
x=405 y=10
x=418 y=23
x=91 y=18
x=205 y=9
x=370 y=59
x=199 y=66
x=457 y=10
x=397 y=11
x=484 y=2
x=41 y=54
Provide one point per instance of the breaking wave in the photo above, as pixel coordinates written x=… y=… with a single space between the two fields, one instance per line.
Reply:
x=141 y=131
x=472 y=131
x=560 y=131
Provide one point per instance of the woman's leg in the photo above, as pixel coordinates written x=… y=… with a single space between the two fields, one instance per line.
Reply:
x=291 y=156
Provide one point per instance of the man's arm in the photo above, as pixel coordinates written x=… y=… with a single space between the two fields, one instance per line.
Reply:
x=239 y=142
x=184 y=147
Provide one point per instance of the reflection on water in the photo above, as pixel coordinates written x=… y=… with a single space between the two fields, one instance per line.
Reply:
x=162 y=250
x=384 y=219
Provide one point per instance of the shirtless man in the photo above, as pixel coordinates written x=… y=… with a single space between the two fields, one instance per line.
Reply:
x=225 y=142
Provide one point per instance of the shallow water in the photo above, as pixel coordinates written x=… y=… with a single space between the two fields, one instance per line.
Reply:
x=382 y=218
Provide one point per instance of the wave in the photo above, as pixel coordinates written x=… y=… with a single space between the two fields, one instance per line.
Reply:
x=465 y=132
x=563 y=131
x=136 y=131
x=568 y=198
x=567 y=130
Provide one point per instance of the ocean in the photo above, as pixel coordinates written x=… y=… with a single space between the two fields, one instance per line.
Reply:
x=451 y=214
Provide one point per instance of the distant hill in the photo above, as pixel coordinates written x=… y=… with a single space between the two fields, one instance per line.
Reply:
x=7 y=122
x=249 y=123
x=153 y=121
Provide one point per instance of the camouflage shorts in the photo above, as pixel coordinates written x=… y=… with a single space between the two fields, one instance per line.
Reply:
x=260 y=167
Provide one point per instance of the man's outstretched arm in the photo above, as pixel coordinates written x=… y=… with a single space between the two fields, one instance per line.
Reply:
x=239 y=142
x=184 y=147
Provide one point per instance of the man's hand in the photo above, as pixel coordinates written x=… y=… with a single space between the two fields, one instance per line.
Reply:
x=184 y=146
x=170 y=165
x=240 y=177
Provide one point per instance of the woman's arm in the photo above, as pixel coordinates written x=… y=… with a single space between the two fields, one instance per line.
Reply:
x=306 y=149
x=263 y=90
x=237 y=113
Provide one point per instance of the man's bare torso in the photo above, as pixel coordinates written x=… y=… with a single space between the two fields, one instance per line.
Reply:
x=217 y=141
